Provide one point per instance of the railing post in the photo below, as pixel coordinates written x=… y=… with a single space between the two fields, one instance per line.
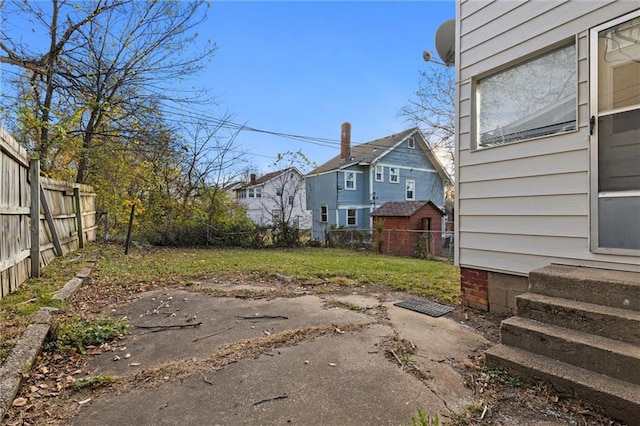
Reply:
x=76 y=196
x=34 y=183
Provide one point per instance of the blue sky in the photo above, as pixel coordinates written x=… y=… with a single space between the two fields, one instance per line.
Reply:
x=306 y=67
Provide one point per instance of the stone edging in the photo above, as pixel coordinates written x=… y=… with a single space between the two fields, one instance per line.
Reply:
x=31 y=342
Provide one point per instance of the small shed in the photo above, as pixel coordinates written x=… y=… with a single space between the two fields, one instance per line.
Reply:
x=410 y=228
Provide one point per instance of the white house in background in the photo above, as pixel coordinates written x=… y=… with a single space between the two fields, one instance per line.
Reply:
x=276 y=196
x=548 y=141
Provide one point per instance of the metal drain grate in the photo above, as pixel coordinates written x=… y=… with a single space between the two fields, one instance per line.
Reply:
x=425 y=307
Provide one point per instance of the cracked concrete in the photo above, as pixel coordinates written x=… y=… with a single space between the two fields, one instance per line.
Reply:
x=340 y=377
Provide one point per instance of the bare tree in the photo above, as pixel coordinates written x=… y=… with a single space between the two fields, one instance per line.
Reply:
x=288 y=197
x=433 y=109
x=38 y=80
x=109 y=70
x=208 y=158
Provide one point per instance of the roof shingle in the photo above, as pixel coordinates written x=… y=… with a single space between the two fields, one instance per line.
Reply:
x=402 y=208
x=364 y=152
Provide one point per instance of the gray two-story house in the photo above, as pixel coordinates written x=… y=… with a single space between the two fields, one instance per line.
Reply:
x=345 y=190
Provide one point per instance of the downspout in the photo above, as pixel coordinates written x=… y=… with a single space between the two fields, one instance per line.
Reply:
x=372 y=169
x=337 y=198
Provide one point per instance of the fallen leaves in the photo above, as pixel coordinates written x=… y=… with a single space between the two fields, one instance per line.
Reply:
x=19 y=402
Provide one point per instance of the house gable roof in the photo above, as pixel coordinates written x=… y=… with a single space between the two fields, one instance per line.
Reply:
x=402 y=208
x=269 y=176
x=370 y=152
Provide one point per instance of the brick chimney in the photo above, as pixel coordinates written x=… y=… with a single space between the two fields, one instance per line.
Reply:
x=345 y=141
x=253 y=178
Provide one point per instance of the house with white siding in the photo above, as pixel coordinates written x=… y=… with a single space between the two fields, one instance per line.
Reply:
x=275 y=197
x=548 y=188
x=548 y=152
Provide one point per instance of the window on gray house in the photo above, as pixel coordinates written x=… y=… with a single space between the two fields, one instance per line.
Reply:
x=411 y=190
x=324 y=214
x=352 y=218
x=394 y=175
x=350 y=180
x=379 y=173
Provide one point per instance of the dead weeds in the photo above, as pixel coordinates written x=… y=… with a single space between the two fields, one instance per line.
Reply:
x=60 y=382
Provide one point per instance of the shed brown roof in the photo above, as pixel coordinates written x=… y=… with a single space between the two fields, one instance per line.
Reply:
x=402 y=208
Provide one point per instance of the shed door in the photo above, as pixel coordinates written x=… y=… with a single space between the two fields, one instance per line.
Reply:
x=615 y=129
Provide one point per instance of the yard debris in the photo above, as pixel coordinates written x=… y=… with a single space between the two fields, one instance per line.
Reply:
x=275 y=398
x=215 y=334
x=19 y=402
x=396 y=357
x=332 y=364
x=84 y=401
x=258 y=316
x=284 y=278
x=205 y=379
x=157 y=328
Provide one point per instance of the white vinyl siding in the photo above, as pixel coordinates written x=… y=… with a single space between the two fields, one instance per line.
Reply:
x=525 y=205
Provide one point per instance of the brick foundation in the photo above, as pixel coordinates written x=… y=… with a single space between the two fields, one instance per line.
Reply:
x=474 y=285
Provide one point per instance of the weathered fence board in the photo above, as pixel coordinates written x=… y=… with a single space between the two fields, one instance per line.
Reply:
x=16 y=203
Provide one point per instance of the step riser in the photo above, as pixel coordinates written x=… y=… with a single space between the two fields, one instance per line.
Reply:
x=617 y=365
x=613 y=327
x=614 y=406
x=598 y=291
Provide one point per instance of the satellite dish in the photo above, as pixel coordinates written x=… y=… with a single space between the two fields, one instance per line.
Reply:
x=446 y=42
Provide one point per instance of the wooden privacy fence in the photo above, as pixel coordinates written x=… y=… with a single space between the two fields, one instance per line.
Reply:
x=37 y=225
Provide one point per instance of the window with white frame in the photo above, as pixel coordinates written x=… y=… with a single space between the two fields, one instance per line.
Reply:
x=290 y=201
x=258 y=192
x=379 y=173
x=394 y=175
x=324 y=214
x=350 y=180
x=411 y=143
x=352 y=217
x=529 y=100
x=411 y=190
x=278 y=191
x=276 y=214
x=251 y=193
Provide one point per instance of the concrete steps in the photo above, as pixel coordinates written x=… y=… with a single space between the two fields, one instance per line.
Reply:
x=614 y=323
x=579 y=329
x=619 y=399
